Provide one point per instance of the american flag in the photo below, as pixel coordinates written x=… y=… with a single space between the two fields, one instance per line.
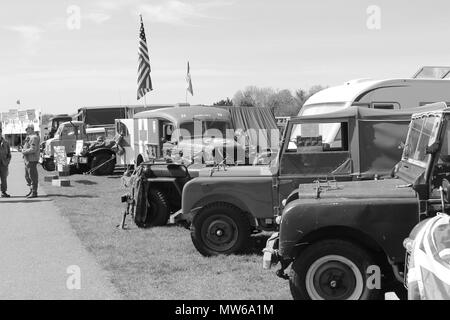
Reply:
x=188 y=79
x=144 y=80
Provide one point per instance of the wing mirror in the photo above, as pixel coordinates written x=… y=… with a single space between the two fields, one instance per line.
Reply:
x=445 y=193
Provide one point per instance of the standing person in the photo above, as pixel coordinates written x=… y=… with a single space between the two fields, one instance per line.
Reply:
x=31 y=158
x=5 y=159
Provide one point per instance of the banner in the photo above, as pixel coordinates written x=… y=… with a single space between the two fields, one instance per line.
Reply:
x=22 y=116
x=15 y=121
x=31 y=114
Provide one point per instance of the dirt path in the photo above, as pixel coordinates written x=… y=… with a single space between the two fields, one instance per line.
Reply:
x=38 y=248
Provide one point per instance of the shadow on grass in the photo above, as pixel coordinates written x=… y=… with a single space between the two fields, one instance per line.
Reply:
x=24 y=200
x=86 y=182
x=69 y=196
x=258 y=243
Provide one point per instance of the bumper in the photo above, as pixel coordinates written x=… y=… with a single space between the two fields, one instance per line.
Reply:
x=79 y=160
x=270 y=256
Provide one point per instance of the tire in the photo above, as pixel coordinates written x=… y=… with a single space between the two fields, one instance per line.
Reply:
x=48 y=164
x=220 y=228
x=106 y=169
x=332 y=270
x=158 y=212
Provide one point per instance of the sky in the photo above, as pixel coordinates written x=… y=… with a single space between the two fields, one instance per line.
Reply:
x=49 y=63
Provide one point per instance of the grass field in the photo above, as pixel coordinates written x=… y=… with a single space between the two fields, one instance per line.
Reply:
x=157 y=263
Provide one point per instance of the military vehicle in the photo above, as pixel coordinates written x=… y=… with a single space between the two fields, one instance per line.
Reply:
x=225 y=206
x=72 y=135
x=182 y=134
x=345 y=241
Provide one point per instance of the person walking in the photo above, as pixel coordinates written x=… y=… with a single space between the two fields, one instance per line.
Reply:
x=31 y=158
x=5 y=159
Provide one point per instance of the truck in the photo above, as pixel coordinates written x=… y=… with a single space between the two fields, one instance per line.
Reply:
x=73 y=135
x=172 y=145
x=170 y=134
x=225 y=207
x=346 y=242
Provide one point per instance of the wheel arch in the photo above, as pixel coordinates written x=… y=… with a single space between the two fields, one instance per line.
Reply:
x=225 y=199
x=349 y=234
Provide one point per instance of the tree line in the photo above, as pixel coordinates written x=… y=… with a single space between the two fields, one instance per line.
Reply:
x=280 y=102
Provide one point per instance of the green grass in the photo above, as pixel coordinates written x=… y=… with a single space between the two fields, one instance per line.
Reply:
x=157 y=263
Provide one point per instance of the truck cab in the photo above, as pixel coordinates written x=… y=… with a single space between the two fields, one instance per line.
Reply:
x=66 y=135
x=344 y=241
x=54 y=123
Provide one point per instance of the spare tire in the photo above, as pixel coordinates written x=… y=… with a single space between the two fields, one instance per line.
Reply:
x=158 y=211
x=99 y=160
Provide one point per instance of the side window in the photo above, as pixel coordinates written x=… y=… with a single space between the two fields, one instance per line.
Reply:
x=318 y=137
x=386 y=105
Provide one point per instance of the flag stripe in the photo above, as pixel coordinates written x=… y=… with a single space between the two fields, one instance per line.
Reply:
x=144 y=81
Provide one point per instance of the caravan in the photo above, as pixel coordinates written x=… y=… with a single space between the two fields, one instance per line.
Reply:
x=428 y=85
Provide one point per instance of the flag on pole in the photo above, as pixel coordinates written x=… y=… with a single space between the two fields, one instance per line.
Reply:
x=18 y=102
x=189 y=82
x=144 y=80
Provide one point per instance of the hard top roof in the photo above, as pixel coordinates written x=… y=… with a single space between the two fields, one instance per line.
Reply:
x=184 y=114
x=351 y=90
x=370 y=113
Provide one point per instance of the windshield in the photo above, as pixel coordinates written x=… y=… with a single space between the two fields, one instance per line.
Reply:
x=209 y=129
x=422 y=133
x=68 y=131
x=321 y=108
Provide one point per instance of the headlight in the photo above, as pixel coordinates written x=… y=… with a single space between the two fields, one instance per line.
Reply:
x=283 y=203
x=278 y=219
x=408 y=244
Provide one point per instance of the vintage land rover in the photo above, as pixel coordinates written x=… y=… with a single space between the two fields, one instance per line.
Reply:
x=339 y=238
x=225 y=206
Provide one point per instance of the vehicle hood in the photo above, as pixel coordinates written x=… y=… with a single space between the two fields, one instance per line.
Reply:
x=209 y=142
x=237 y=171
x=389 y=188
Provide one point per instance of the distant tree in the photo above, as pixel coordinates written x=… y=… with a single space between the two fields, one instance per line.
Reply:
x=314 y=89
x=253 y=96
x=283 y=103
x=280 y=102
x=222 y=102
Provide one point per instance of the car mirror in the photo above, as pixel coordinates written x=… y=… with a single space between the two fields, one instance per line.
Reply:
x=446 y=191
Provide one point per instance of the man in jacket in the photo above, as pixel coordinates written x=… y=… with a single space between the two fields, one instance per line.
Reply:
x=31 y=158
x=5 y=158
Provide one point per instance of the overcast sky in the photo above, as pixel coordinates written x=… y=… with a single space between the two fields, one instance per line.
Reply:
x=230 y=44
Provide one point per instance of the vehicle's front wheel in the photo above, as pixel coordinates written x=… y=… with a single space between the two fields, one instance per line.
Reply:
x=332 y=270
x=220 y=228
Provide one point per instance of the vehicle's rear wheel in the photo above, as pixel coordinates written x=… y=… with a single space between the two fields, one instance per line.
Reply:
x=157 y=209
x=103 y=169
x=220 y=228
x=332 y=270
